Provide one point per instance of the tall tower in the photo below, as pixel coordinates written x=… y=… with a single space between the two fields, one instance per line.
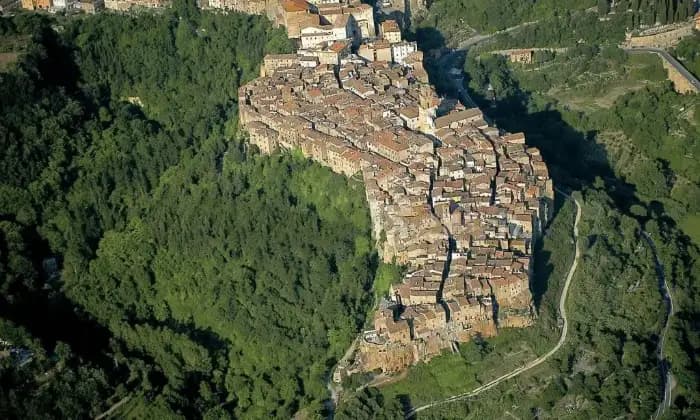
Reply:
x=426 y=109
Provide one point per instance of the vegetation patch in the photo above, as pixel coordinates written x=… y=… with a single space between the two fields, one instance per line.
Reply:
x=187 y=275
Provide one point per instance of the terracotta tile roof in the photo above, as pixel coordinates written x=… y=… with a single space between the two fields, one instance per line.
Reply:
x=295 y=5
x=450 y=118
x=390 y=26
x=338 y=46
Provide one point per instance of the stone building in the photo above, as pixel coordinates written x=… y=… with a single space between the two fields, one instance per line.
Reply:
x=294 y=15
x=125 y=5
x=253 y=7
x=379 y=50
x=272 y=62
x=401 y=50
x=36 y=4
x=390 y=31
x=521 y=56
x=90 y=6
x=362 y=16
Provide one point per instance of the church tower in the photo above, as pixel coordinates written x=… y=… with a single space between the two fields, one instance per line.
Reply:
x=426 y=109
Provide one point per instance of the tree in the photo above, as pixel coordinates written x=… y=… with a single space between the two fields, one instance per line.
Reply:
x=150 y=217
x=370 y=404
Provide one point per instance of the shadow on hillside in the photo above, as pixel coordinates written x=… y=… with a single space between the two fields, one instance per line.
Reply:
x=38 y=303
x=543 y=264
x=575 y=160
x=405 y=401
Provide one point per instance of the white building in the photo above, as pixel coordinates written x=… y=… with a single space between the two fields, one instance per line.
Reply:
x=315 y=35
x=308 y=61
x=312 y=36
x=411 y=117
x=401 y=50
x=63 y=4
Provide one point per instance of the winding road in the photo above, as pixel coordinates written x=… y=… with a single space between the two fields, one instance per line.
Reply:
x=539 y=360
x=479 y=38
x=666 y=374
x=334 y=389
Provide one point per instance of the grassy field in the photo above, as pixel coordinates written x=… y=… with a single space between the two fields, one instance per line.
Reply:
x=10 y=49
x=7 y=60
x=474 y=365
x=691 y=226
x=477 y=363
x=581 y=87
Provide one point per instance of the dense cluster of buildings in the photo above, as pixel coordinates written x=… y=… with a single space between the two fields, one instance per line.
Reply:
x=456 y=201
x=323 y=29
x=327 y=31
x=295 y=15
x=86 y=6
x=92 y=6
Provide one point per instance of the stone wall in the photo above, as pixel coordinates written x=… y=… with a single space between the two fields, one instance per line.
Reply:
x=665 y=39
x=680 y=83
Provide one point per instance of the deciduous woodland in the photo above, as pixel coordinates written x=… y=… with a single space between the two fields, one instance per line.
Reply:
x=198 y=278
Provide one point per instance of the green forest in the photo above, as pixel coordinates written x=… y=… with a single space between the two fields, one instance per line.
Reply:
x=148 y=256
x=544 y=22
x=490 y=16
x=688 y=52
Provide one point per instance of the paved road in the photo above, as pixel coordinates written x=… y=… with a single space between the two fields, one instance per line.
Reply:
x=478 y=38
x=666 y=373
x=539 y=360
x=448 y=61
x=672 y=60
x=113 y=408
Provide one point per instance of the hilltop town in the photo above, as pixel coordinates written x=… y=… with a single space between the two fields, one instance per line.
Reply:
x=456 y=201
x=299 y=213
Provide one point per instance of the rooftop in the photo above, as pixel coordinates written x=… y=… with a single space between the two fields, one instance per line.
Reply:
x=295 y=5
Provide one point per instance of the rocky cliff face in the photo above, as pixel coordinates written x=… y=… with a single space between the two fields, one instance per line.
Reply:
x=387 y=358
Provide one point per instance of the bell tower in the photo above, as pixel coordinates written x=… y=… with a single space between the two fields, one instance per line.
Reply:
x=426 y=109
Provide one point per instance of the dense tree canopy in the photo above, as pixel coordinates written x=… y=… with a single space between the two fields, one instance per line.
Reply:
x=491 y=16
x=208 y=280
x=688 y=52
x=370 y=404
